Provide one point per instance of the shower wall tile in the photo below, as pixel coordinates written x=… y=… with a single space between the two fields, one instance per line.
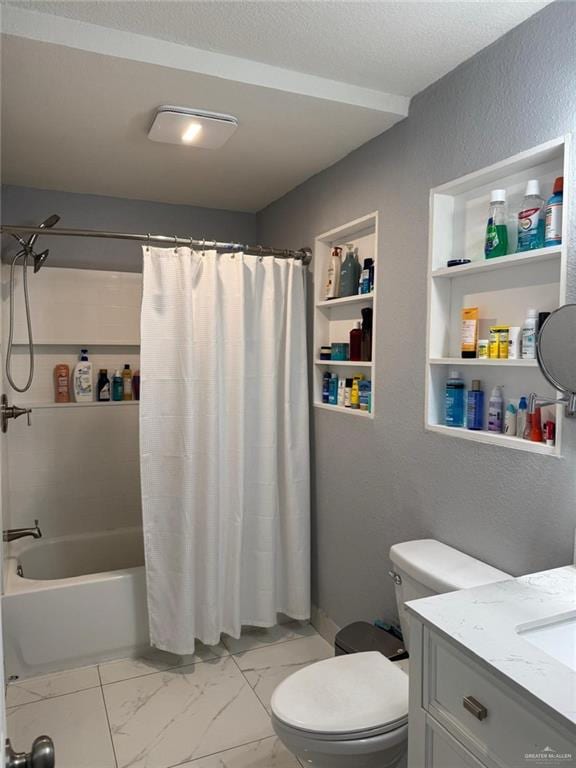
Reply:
x=75 y=469
x=82 y=306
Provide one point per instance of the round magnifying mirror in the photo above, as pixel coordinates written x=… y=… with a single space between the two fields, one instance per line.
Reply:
x=556 y=348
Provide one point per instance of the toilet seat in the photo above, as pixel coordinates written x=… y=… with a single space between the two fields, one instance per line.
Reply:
x=356 y=696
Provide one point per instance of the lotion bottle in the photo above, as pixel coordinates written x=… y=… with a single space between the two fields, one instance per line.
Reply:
x=82 y=379
x=334 y=267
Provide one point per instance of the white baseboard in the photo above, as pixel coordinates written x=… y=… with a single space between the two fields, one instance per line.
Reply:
x=323 y=624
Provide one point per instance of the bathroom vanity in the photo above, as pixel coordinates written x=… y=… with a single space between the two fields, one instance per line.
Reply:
x=493 y=675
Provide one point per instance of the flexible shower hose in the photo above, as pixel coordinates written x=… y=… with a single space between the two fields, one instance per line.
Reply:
x=13 y=384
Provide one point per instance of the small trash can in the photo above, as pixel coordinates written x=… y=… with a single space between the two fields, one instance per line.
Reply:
x=362 y=636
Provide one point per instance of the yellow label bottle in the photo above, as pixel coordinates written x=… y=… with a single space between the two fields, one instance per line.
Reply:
x=127 y=382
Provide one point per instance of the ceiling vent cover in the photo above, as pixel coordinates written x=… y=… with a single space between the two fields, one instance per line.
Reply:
x=192 y=127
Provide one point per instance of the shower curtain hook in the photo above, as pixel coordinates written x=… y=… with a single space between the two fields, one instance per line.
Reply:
x=175 y=243
x=203 y=247
x=261 y=257
x=148 y=243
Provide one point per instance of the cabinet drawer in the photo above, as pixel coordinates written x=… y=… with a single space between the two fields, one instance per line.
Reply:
x=489 y=719
x=443 y=751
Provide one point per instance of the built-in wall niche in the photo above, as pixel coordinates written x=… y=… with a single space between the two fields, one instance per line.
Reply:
x=72 y=309
x=502 y=288
x=335 y=318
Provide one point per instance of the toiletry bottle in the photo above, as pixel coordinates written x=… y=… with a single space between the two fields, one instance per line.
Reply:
x=355 y=393
x=127 y=383
x=521 y=417
x=333 y=390
x=553 y=215
x=349 y=273
x=136 y=385
x=475 y=406
x=117 y=387
x=454 y=400
x=529 y=335
x=550 y=432
x=103 y=386
x=367 y=270
x=542 y=317
x=496 y=242
x=495 y=410
x=514 y=336
x=82 y=379
x=334 y=267
x=348 y=393
x=535 y=434
x=510 y=420
x=341 y=392
x=531 y=219
x=365 y=388
x=62 y=383
x=366 y=351
x=356 y=342
x=468 y=331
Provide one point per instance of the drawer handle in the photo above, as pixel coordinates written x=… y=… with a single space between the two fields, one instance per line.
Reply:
x=475 y=708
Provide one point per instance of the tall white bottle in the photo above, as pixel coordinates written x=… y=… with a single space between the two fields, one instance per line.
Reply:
x=333 y=281
x=82 y=382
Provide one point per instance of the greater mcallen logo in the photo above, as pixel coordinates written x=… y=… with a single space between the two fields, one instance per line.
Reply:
x=547 y=755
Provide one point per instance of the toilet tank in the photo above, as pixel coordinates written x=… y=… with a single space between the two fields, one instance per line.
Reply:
x=427 y=567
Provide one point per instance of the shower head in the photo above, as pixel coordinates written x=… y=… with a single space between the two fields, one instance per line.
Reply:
x=46 y=224
x=39 y=259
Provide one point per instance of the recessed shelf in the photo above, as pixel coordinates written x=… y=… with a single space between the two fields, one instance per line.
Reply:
x=340 y=409
x=91 y=404
x=502 y=262
x=494 y=438
x=502 y=288
x=334 y=319
x=346 y=363
x=489 y=363
x=83 y=344
x=356 y=299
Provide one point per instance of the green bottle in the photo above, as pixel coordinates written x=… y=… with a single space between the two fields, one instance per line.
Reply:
x=496 y=243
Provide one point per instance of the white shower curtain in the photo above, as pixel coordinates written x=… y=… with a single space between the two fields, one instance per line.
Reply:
x=224 y=444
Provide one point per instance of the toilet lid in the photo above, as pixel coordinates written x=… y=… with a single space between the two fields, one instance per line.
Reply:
x=349 y=694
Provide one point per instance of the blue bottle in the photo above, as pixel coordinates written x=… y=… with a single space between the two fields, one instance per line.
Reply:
x=454 y=400
x=553 y=216
x=349 y=273
x=333 y=390
x=326 y=387
x=475 y=407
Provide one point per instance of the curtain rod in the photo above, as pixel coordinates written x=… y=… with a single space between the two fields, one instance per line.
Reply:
x=303 y=254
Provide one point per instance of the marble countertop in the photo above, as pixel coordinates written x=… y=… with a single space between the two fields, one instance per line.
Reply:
x=484 y=621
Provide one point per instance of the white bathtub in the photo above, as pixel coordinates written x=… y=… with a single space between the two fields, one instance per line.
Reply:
x=81 y=599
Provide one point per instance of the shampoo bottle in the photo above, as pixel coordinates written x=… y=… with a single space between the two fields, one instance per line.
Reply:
x=454 y=399
x=82 y=379
x=475 y=406
x=103 y=386
x=349 y=274
x=127 y=383
x=495 y=410
x=117 y=386
x=334 y=267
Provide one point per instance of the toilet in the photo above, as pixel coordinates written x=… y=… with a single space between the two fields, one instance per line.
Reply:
x=352 y=711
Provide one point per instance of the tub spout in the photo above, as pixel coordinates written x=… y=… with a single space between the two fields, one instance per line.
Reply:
x=19 y=533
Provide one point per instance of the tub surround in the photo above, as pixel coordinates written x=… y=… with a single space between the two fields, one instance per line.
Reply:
x=485 y=621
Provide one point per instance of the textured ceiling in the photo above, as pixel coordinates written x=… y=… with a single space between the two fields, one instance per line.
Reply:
x=395 y=47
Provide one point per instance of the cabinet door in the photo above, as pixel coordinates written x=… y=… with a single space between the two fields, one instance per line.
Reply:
x=443 y=751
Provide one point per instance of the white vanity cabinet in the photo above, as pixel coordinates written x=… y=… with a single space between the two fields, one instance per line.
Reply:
x=463 y=715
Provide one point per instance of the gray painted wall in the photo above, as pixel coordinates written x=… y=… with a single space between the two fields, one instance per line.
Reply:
x=21 y=205
x=388 y=480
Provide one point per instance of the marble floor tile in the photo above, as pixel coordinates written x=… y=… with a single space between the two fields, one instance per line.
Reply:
x=76 y=722
x=154 y=660
x=268 y=753
x=256 y=637
x=171 y=717
x=46 y=686
x=265 y=668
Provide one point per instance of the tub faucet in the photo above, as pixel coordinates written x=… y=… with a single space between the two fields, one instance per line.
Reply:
x=19 y=533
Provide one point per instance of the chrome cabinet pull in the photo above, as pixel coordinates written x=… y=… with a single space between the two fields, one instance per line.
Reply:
x=475 y=708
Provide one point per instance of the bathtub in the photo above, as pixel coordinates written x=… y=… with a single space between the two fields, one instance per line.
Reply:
x=73 y=600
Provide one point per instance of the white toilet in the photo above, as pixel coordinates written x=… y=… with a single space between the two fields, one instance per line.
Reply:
x=352 y=711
